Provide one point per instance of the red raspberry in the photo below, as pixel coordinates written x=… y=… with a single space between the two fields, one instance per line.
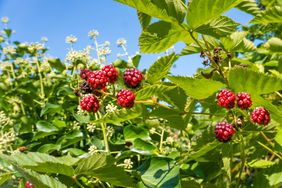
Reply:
x=260 y=116
x=243 y=100
x=224 y=131
x=111 y=72
x=84 y=73
x=89 y=103
x=226 y=98
x=29 y=185
x=132 y=77
x=125 y=98
x=97 y=79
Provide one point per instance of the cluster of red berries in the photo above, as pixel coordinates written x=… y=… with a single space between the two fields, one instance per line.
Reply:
x=227 y=99
x=29 y=185
x=95 y=83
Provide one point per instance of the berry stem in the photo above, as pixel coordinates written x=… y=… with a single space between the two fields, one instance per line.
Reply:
x=161 y=140
x=77 y=182
x=42 y=95
x=103 y=126
x=243 y=157
x=270 y=150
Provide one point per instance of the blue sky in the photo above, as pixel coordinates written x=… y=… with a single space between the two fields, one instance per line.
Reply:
x=56 y=19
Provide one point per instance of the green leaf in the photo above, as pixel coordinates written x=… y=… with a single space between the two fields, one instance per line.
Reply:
x=275 y=179
x=201 y=12
x=132 y=132
x=249 y=6
x=41 y=162
x=149 y=8
x=242 y=79
x=160 y=68
x=173 y=117
x=44 y=126
x=156 y=90
x=202 y=151
x=51 y=108
x=271 y=15
x=93 y=162
x=57 y=64
x=4 y=177
x=40 y=180
x=234 y=41
x=144 y=19
x=278 y=136
x=136 y=60
x=261 y=163
x=161 y=172
x=197 y=88
x=122 y=115
x=49 y=148
x=218 y=27
x=101 y=166
x=273 y=45
x=143 y=145
x=166 y=35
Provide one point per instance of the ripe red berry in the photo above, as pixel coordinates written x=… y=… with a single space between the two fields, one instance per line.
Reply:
x=260 y=116
x=224 y=131
x=226 y=98
x=29 y=185
x=132 y=77
x=84 y=73
x=125 y=98
x=89 y=103
x=111 y=72
x=97 y=79
x=243 y=100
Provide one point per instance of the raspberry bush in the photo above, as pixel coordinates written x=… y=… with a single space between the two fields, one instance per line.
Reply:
x=84 y=121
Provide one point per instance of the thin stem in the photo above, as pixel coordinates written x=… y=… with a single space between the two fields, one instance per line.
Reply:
x=103 y=126
x=77 y=182
x=243 y=156
x=161 y=140
x=42 y=95
x=270 y=150
x=197 y=42
x=267 y=139
x=97 y=50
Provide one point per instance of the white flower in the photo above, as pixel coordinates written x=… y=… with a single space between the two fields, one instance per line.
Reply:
x=128 y=164
x=169 y=140
x=110 y=108
x=91 y=127
x=110 y=131
x=5 y=19
x=9 y=50
x=92 y=150
x=153 y=130
x=44 y=39
x=93 y=34
x=83 y=55
x=104 y=51
x=107 y=43
x=75 y=125
x=121 y=42
x=5 y=120
x=71 y=39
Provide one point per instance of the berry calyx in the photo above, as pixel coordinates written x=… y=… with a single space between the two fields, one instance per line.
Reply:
x=97 y=79
x=89 y=103
x=111 y=72
x=125 y=98
x=260 y=116
x=29 y=185
x=243 y=100
x=132 y=77
x=84 y=73
x=226 y=98
x=224 y=131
